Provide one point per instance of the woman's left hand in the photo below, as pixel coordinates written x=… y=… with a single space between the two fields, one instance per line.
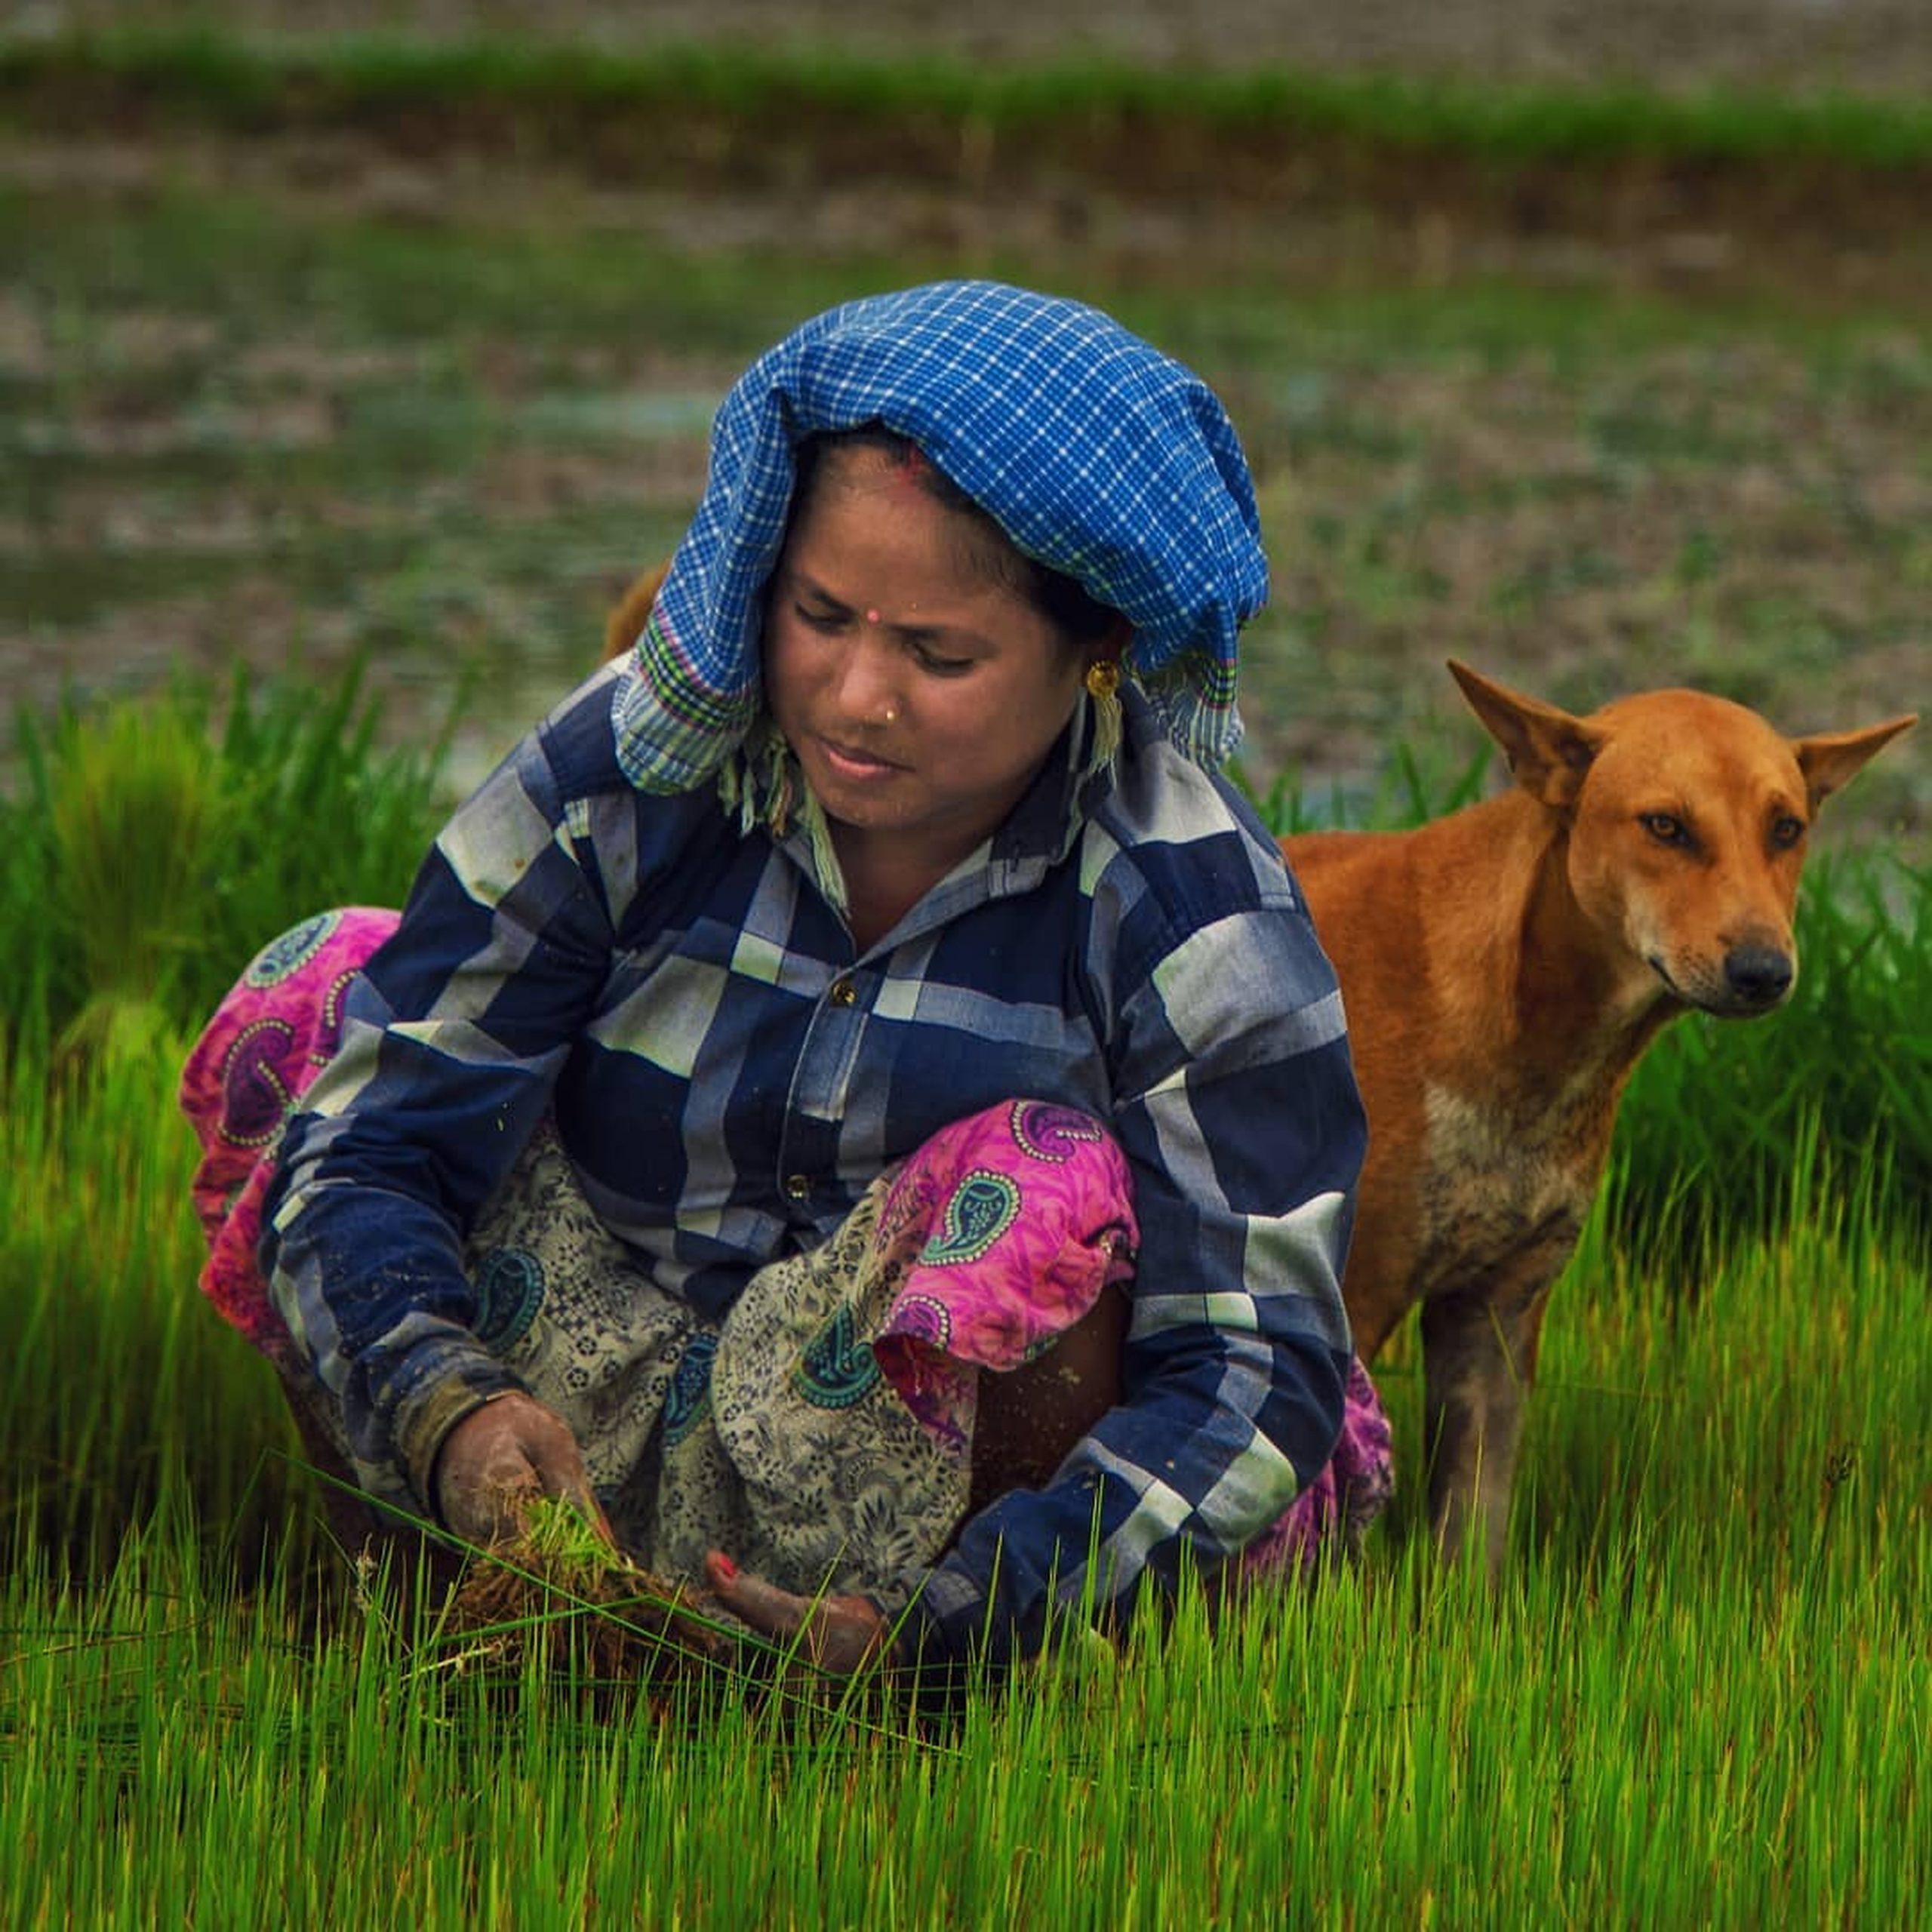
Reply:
x=839 y=1634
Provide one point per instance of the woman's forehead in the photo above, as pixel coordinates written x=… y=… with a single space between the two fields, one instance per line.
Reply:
x=869 y=491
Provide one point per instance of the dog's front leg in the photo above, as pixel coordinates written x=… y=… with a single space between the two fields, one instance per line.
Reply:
x=1479 y=1351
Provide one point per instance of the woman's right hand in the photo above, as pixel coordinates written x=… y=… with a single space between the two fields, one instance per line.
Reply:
x=501 y=1459
x=838 y=1635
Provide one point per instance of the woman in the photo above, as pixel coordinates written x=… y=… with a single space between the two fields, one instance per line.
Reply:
x=880 y=914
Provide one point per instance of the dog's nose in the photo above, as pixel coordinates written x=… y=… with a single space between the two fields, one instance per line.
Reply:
x=1758 y=975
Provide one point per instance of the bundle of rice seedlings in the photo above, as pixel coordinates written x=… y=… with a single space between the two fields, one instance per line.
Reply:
x=561 y=1596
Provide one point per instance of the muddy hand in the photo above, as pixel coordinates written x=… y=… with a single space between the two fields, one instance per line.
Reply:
x=837 y=1634
x=502 y=1458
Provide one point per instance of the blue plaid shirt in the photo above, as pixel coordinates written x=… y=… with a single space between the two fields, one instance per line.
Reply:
x=728 y=1075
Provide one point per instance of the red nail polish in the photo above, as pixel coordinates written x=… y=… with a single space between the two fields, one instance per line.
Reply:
x=727 y=1570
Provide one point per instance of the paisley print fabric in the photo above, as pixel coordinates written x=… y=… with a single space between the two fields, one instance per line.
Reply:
x=269 y=1038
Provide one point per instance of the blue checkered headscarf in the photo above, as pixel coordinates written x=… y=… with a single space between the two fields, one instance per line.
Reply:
x=1097 y=455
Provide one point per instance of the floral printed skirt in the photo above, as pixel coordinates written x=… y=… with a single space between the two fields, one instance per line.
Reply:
x=822 y=1431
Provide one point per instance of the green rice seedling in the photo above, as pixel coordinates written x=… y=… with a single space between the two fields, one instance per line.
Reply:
x=155 y=845
x=328 y=817
x=122 y=1392
x=560 y=1593
x=1414 y=784
x=133 y=828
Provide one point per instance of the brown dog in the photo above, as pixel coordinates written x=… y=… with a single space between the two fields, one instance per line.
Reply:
x=1503 y=969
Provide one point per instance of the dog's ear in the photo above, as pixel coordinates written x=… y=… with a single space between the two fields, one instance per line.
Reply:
x=627 y=620
x=1549 y=750
x=1833 y=759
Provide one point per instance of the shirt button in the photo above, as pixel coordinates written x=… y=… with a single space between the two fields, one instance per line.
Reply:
x=798 y=1186
x=844 y=992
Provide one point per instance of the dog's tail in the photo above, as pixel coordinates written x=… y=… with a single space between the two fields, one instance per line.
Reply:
x=627 y=616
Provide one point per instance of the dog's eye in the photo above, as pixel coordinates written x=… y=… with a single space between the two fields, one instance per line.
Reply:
x=1666 y=828
x=1786 y=832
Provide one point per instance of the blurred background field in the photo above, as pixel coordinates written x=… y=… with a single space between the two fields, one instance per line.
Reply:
x=313 y=345
x=1876 y=47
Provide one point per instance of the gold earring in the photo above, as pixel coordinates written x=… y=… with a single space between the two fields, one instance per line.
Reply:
x=1102 y=682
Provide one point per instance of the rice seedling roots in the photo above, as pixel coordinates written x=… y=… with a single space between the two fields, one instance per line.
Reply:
x=562 y=1598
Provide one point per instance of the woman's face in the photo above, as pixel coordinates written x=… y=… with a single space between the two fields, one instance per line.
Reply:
x=919 y=694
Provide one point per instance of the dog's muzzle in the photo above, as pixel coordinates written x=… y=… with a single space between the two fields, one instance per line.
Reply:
x=1758 y=976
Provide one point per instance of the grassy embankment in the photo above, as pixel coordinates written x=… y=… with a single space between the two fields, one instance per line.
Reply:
x=1704 y=1692
x=567 y=96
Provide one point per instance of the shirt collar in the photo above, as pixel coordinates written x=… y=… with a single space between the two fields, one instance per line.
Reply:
x=1072 y=782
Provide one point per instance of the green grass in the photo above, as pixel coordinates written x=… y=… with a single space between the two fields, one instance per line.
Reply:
x=243 y=87
x=121 y=1388
x=150 y=848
